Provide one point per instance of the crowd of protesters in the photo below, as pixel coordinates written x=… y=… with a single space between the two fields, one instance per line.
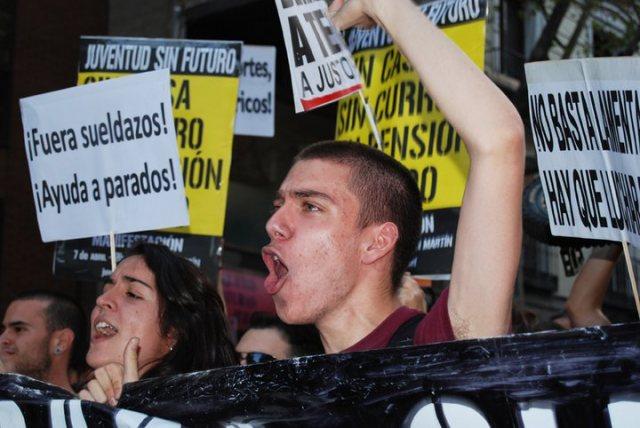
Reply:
x=346 y=221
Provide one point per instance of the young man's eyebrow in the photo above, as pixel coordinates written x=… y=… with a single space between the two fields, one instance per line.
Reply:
x=302 y=193
x=19 y=324
x=311 y=194
x=132 y=279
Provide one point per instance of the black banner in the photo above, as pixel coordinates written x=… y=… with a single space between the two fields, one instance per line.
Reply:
x=580 y=378
x=88 y=259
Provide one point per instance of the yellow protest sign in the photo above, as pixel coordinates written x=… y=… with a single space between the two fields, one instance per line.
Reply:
x=204 y=88
x=412 y=129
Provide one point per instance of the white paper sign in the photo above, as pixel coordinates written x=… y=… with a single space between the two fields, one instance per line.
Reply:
x=255 y=110
x=585 y=120
x=103 y=157
x=322 y=69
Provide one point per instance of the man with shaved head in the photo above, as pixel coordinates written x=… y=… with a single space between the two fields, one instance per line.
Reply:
x=44 y=336
x=347 y=217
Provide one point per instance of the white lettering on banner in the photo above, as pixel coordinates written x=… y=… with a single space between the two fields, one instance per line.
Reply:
x=179 y=59
x=624 y=410
x=11 y=415
x=57 y=414
x=441 y=13
x=456 y=412
x=75 y=412
x=537 y=414
x=422 y=415
x=585 y=120
x=322 y=69
x=174 y=243
x=117 y=57
x=103 y=158
x=462 y=413
x=208 y=60
x=428 y=223
x=130 y=419
x=436 y=242
x=255 y=112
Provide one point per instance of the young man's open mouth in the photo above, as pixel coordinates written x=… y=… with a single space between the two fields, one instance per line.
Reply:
x=277 y=270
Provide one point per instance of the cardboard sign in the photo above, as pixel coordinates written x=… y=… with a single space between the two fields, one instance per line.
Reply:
x=204 y=91
x=578 y=378
x=255 y=111
x=103 y=158
x=412 y=128
x=585 y=120
x=322 y=69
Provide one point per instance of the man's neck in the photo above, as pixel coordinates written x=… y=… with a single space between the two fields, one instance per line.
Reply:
x=360 y=313
x=59 y=378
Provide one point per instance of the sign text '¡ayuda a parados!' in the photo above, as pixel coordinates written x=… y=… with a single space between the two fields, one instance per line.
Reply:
x=77 y=191
x=116 y=129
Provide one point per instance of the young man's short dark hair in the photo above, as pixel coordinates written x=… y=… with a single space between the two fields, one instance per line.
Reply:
x=385 y=189
x=64 y=312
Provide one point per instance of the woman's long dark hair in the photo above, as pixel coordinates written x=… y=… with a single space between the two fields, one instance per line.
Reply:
x=191 y=310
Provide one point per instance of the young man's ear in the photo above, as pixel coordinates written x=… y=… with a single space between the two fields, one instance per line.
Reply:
x=61 y=341
x=381 y=240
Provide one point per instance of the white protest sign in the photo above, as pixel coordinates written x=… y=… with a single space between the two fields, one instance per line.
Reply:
x=255 y=110
x=585 y=120
x=103 y=158
x=322 y=69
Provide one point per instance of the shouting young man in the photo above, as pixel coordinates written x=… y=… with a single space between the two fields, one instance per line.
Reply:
x=347 y=217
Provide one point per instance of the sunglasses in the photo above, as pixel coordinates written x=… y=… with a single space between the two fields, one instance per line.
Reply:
x=255 y=357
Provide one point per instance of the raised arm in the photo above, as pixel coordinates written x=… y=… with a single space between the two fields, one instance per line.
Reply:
x=489 y=233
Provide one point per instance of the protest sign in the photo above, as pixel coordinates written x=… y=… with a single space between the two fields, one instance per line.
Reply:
x=322 y=69
x=412 y=128
x=255 y=111
x=578 y=378
x=204 y=90
x=88 y=259
x=585 y=121
x=103 y=158
x=434 y=252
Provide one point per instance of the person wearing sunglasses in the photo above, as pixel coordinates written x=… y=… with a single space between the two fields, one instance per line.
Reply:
x=268 y=339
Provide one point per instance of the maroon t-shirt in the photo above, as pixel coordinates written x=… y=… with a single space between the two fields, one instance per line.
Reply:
x=434 y=327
